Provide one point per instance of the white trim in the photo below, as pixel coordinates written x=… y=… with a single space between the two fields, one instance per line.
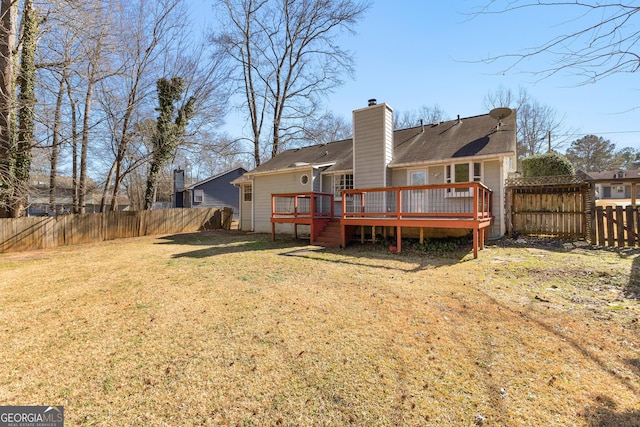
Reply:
x=451 y=160
x=337 y=172
x=281 y=171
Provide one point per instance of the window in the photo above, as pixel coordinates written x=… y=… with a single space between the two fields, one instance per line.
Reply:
x=198 y=196
x=462 y=172
x=247 y=193
x=304 y=179
x=340 y=183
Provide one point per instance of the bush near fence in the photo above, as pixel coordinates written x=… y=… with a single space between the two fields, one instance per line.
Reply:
x=21 y=234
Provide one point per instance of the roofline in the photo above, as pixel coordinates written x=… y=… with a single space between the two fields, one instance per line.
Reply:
x=204 y=181
x=280 y=171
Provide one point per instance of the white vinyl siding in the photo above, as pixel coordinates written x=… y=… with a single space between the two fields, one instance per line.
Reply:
x=372 y=146
x=246 y=208
x=493 y=177
x=266 y=185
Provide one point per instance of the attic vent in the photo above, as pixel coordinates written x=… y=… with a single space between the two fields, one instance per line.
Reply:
x=372 y=102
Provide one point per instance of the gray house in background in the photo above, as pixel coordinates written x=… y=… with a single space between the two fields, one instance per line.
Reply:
x=213 y=192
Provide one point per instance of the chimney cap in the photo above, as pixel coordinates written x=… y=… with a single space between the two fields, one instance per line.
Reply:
x=372 y=102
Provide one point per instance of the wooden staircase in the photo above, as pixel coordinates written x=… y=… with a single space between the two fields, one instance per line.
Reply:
x=329 y=236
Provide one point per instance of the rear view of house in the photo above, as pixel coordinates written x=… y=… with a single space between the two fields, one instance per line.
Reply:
x=409 y=174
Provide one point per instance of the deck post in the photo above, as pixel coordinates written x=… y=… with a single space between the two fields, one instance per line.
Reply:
x=273 y=231
x=476 y=231
x=399 y=238
x=421 y=235
x=343 y=235
x=295 y=230
x=373 y=233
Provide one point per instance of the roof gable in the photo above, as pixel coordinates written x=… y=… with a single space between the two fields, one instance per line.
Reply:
x=460 y=138
x=237 y=172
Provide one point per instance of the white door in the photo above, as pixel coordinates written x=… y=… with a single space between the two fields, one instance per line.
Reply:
x=418 y=198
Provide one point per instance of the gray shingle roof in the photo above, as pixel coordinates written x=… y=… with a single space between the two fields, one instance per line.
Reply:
x=472 y=136
x=613 y=174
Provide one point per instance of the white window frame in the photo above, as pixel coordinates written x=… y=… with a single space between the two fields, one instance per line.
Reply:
x=474 y=176
x=341 y=182
x=247 y=193
x=198 y=196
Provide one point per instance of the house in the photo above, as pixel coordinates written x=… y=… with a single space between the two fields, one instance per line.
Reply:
x=614 y=185
x=216 y=191
x=413 y=175
x=39 y=197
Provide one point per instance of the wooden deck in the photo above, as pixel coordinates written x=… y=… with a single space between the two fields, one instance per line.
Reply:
x=457 y=206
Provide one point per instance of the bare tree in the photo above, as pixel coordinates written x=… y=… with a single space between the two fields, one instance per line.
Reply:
x=424 y=114
x=539 y=127
x=326 y=128
x=149 y=28
x=606 y=41
x=287 y=58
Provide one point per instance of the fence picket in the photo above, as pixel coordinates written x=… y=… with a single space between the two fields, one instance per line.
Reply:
x=631 y=233
x=20 y=234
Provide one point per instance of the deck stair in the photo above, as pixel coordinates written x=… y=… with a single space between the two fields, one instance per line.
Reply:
x=329 y=236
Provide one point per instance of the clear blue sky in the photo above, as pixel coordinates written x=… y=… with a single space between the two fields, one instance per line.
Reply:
x=413 y=53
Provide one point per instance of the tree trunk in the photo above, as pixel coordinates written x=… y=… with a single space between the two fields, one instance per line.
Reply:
x=7 y=44
x=74 y=148
x=82 y=188
x=55 y=144
x=26 y=100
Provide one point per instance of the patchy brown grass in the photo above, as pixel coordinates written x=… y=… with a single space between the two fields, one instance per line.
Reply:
x=226 y=328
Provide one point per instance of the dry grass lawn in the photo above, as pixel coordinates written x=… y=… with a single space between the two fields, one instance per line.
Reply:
x=226 y=328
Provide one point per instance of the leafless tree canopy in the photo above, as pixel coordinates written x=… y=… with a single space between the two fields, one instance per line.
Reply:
x=424 y=114
x=286 y=57
x=535 y=121
x=606 y=42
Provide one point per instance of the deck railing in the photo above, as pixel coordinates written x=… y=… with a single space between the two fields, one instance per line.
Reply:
x=470 y=200
x=302 y=205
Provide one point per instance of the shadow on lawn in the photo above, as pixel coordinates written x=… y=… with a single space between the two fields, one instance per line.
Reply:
x=603 y=414
x=215 y=243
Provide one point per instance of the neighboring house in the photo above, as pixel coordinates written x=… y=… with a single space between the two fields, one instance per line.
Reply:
x=613 y=185
x=40 y=198
x=470 y=149
x=213 y=192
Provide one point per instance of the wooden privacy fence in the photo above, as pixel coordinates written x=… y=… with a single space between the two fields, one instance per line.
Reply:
x=565 y=207
x=21 y=234
x=554 y=208
x=616 y=226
